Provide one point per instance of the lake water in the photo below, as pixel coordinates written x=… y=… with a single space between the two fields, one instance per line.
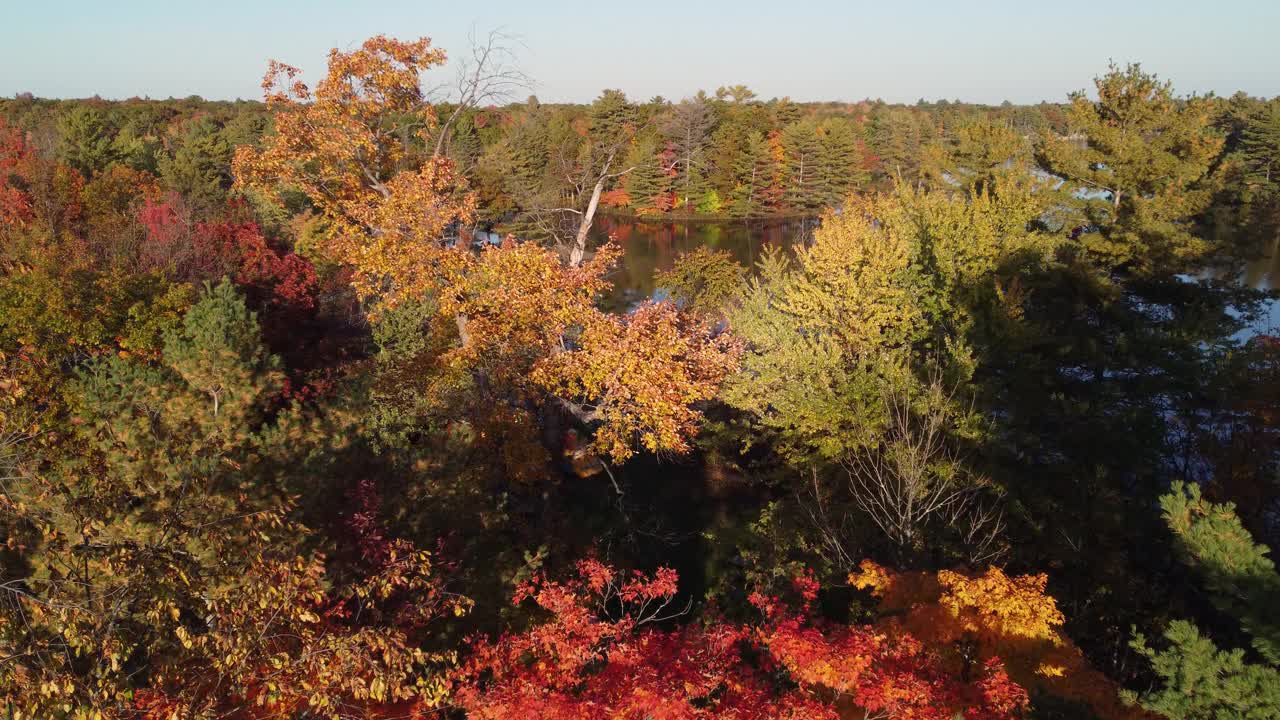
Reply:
x=651 y=247
x=1264 y=274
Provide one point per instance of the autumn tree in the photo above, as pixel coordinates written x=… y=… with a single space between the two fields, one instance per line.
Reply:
x=973 y=617
x=604 y=649
x=641 y=377
x=1139 y=176
x=854 y=305
x=387 y=211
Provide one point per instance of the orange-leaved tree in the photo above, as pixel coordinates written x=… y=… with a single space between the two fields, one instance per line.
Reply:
x=529 y=334
x=347 y=146
x=970 y=618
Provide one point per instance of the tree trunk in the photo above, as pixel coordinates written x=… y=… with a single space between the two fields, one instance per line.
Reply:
x=579 y=248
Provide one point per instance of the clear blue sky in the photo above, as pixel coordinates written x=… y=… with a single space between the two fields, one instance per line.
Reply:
x=899 y=50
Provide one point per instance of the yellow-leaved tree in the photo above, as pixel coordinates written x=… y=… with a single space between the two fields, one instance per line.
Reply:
x=973 y=617
x=524 y=331
x=348 y=147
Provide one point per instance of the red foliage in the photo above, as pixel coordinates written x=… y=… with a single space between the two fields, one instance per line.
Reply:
x=33 y=189
x=288 y=280
x=602 y=654
x=167 y=225
x=665 y=201
x=186 y=249
x=615 y=198
x=15 y=157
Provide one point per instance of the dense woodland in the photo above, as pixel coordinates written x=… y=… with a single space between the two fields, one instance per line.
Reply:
x=283 y=436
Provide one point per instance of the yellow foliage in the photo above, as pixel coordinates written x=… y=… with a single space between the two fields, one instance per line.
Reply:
x=343 y=147
x=973 y=617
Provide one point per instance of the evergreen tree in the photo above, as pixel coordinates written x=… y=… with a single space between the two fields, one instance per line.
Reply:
x=1260 y=149
x=1199 y=681
x=841 y=161
x=647 y=180
x=751 y=175
x=807 y=179
x=1241 y=579
x=687 y=129
x=982 y=152
x=895 y=137
x=86 y=140
x=199 y=167
x=1140 y=175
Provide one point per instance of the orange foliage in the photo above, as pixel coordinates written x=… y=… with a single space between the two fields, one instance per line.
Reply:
x=641 y=375
x=618 y=198
x=601 y=655
x=341 y=145
x=530 y=324
x=527 y=325
x=974 y=618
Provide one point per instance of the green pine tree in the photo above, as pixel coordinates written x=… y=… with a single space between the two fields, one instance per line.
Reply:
x=1260 y=149
x=1197 y=680
x=647 y=180
x=199 y=167
x=86 y=140
x=1137 y=175
x=751 y=174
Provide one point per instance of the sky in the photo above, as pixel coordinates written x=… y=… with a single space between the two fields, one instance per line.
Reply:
x=897 y=50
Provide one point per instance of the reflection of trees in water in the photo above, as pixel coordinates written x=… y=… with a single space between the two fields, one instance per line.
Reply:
x=651 y=247
x=1264 y=272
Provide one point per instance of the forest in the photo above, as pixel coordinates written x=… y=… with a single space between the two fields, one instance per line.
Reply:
x=311 y=407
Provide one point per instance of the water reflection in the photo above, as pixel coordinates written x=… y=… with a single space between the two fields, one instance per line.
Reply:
x=651 y=247
x=1264 y=274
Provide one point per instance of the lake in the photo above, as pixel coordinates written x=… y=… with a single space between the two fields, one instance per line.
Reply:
x=650 y=247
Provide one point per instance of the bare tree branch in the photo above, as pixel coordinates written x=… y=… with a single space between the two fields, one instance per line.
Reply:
x=488 y=77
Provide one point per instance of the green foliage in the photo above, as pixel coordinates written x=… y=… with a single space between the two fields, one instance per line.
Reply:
x=703 y=281
x=184 y=527
x=86 y=140
x=710 y=203
x=218 y=352
x=647 y=180
x=1240 y=577
x=885 y=285
x=1201 y=682
x=751 y=173
x=199 y=167
x=982 y=153
x=1260 y=149
x=1140 y=175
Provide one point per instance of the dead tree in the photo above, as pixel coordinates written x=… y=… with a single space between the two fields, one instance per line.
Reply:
x=912 y=479
x=488 y=77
